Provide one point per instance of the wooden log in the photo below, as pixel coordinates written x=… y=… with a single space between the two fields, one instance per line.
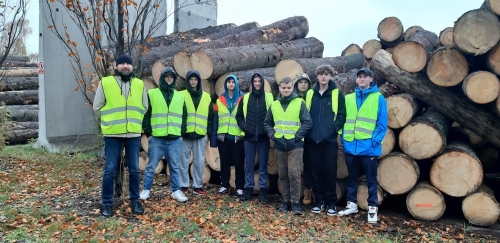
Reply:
x=413 y=54
x=342 y=171
x=21 y=136
x=33 y=72
x=425 y=136
x=401 y=109
x=293 y=67
x=351 y=49
x=18 y=83
x=410 y=31
x=23 y=113
x=397 y=173
x=471 y=138
x=232 y=179
x=272 y=164
x=17 y=64
x=388 y=143
x=481 y=87
x=341 y=189
x=447 y=66
x=26 y=97
x=387 y=89
x=488 y=155
x=453 y=105
x=346 y=81
x=143 y=160
x=205 y=176
x=11 y=58
x=481 y=208
x=23 y=125
x=457 y=171
x=212 y=63
x=425 y=202
x=362 y=196
x=149 y=84
x=390 y=31
x=370 y=48
x=493 y=59
x=476 y=32
x=244 y=78
x=491 y=5
x=212 y=157
x=144 y=142
x=159 y=168
x=446 y=37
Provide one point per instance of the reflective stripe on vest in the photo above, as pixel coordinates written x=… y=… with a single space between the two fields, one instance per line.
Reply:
x=166 y=120
x=120 y=115
x=197 y=119
x=269 y=100
x=361 y=124
x=335 y=101
x=227 y=121
x=286 y=123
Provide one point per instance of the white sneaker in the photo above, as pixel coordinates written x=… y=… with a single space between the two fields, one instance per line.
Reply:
x=144 y=195
x=239 y=192
x=223 y=191
x=179 y=196
x=349 y=209
x=372 y=214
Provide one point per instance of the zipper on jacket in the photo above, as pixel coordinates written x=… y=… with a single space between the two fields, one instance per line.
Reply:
x=320 y=115
x=257 y=121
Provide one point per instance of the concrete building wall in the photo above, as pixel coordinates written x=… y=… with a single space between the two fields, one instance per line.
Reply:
x=194 y=14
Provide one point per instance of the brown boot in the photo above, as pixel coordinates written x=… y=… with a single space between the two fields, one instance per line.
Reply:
x=307 y=197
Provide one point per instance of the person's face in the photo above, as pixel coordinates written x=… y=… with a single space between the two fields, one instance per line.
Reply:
x=125 y=68
x=193 y=81
x=230 y=85
x=324 y=78
x=286 y=89
x=363 y=80
x=169 y=78
x=303 y=85
x=257 y=83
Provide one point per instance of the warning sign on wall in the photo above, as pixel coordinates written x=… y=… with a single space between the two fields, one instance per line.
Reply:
x=40 y=68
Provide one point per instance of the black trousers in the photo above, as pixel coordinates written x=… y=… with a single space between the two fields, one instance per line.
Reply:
x=231 y=153
x=323 y=160
x=307 y=173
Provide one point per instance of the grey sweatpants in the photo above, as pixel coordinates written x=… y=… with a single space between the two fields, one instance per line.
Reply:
x=198 y=147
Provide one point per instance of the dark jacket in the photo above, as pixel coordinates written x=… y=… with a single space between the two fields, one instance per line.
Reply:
x=253 y=126
x=168 y=92
x=230 y=103
x=196 y=97
x=325 y=129
x=305 y=124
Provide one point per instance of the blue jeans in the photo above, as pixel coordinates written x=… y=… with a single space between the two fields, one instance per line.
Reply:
x=158 y=148
x=370 y=164
x=112 y=150
x=251 y=147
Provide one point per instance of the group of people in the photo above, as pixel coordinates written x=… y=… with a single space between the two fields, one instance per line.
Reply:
x=303 y=122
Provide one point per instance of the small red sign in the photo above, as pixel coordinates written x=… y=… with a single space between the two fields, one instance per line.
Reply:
x=40 y=68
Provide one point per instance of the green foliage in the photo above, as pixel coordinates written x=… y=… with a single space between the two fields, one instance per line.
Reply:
x=4 y=124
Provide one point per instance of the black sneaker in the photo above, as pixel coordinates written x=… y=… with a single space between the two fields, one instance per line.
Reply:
x=332 y=211
x=107 y=210
x=318 y=207
x=263 y=195
x=297 y=209
x=137 y=208
x=287 y=206
x=223 y=191
x=248 y=194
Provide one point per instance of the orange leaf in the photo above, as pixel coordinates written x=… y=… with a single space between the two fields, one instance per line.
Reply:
x=74 y=44
x=157 y=5
x=150 y=39
x=50 y=26
x=67 y=35
x=77 y=88
x=51 y=1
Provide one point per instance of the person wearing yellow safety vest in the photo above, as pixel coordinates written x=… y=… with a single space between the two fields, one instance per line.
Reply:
x=287 y=123
x=362 y=137
x=327 y=107
x=250 y=117
x=230 y=136
x=164 y=123
x=199 y=125
x=121 y=101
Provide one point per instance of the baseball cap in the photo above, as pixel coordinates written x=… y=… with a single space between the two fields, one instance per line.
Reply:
x=367 y=71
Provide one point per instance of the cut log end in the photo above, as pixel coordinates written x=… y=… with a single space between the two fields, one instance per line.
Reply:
x=362 y=196
x=481 y=87
x=182 y=63
x=370 y=48
x=447 y=67
x=156 y=71
x=493 y=59
x=481 y=209
x=342 y=171
x=212 y=158
x=401 y=109
x=410 y=56
x=410 y=31
x=148 y=84
x=493 y=6
x=476 y=31
x=288 y=68
x=421 y=141
x=351 y=49
x=201 y=61
x=397 y=173
x=425 y=202
x=446 y=37
x=390 y=29
x=388 y=142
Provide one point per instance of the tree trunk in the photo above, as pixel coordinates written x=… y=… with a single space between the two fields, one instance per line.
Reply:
x=370 y=48
x=447 y=67
x=362 y=196
x=23 y=125
x=272 y=164
x=244 y=79
x=397 y=173
x=471 y=138
x=488 y=155
x=149 y=84
x=342 y=171
x=425 y=136
x=401 y=109
x=388 y=143
x=17 y=59
x=212 y=158
x=457 y=171
x=390 y=32
x=341 y=189
x=212 y=63
x=425 y=202
x=481 y=87
x=387 y=89
x=481 y=209
x=476 y=32
x=491 y=5
x=446 y=37
x=284 y=30
x=410 y=31
x=18 y=83
x=456 y=106
x=293 y=67
x=493 y=59
x=346 y=81
x=412 y=55
x=351 y=49
x=23 y=113
x=10 y=64
x=27 y=97
x=19 y=73
x=21 y=136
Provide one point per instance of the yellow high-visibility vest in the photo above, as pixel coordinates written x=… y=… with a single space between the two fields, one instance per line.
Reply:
x=286 y=123
x=166 y=120
x=227 y=120
x=361 y=124
x=197 y=119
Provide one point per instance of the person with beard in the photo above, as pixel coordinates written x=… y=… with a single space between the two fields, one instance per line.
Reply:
x=230 y=136
x=121 y=101
x=164 y=123
x=199 y=125
x=250 y=117
x=287 y=122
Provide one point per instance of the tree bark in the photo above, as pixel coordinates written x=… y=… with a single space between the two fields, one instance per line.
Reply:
x=351 y=49
x=481 y=87
x=456 y=106
x=387 y=89
x=244 y=79
x=488 y=155
x=10 y=64
x=18 y=83
x=481 y=209
x=410 y=31
x=476 y=32
x=401 y=109
x=21 y=136
x=447 y=66
x=397 y=173
x=23 y=125
x=390 y=32
x=425 y=202
x=212 y=63
x=412 y=55
x=27 y=97
x=493 y=59
x=17 y=59
x=19 y=73
x=446 y=37
x=370 y=48
x=23 y=113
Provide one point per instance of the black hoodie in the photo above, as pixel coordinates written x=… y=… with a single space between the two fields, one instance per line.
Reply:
x=168 y=92
x=253 y=126
x=196 y=97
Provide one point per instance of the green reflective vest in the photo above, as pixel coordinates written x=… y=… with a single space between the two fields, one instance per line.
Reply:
x=227 y=120
x=360 y=124
x=335 y=101
x=197 y=119
x=269 y=99
x=166 y=120
x=286 y=123
x=120 y=115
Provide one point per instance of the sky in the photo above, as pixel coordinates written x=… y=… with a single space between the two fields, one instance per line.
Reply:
x=334 y=22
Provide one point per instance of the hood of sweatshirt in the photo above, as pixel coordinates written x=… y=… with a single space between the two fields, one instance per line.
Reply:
x=163 y=84
x=259 y=92
x=231 y=102
x=296 y=82
x=198 y=91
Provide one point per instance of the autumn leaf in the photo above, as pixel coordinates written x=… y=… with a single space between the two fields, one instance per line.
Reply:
x=77 y=88
x=150 y=39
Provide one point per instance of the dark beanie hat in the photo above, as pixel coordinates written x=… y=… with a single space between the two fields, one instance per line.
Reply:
x=124 y=59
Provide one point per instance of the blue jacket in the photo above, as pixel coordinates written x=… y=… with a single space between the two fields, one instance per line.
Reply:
x=373 y=146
